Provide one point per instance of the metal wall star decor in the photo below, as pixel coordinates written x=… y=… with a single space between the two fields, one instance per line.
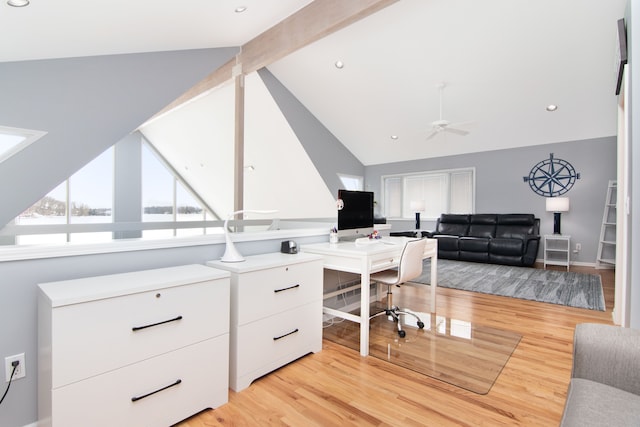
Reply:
x=552 y=177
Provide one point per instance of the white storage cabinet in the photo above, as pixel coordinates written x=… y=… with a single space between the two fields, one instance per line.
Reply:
x=147 y=348
x=276 y=312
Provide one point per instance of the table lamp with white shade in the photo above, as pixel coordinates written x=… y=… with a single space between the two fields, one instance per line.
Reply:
x=557 y=205
x=231 y=254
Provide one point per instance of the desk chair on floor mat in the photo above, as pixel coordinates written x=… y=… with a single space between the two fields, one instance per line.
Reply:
x=409 y=268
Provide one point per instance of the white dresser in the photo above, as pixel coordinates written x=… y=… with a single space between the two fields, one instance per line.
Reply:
x=276 y=312
x=146 y=348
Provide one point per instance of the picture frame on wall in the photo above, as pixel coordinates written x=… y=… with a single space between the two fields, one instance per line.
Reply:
x=621 y=53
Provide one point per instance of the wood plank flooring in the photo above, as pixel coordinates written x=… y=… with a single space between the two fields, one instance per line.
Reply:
x=338 y=387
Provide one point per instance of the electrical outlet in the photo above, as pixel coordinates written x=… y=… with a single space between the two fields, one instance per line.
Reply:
x=21 y=369
x=578 y=247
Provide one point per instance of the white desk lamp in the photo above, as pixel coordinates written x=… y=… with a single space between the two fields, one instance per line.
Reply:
x=231 y=254
x=557 y=205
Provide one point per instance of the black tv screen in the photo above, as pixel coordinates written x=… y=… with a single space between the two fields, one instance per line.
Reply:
x=356 y=211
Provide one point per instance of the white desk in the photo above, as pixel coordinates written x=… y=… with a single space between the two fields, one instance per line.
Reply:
x=364 y=260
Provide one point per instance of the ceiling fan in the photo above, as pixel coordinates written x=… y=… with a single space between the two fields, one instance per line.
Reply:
x=443 y=125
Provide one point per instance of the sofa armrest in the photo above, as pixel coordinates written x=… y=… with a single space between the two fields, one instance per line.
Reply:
x=608 y=355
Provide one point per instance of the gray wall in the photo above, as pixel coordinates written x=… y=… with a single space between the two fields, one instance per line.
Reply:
x=18 y=303
x=127 y=184
x=86 y=105
x=501 y=189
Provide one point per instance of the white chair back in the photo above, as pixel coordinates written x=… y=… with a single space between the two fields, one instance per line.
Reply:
x=411 y=260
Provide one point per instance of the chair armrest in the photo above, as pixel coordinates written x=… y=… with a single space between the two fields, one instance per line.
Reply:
x=608 y=355
x=428 y=234
x=404 y=233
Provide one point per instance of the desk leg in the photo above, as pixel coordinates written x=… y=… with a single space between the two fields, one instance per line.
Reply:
x=364 y=308
x=434 y=281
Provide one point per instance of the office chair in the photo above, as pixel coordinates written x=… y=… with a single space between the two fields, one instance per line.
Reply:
x=409 y=268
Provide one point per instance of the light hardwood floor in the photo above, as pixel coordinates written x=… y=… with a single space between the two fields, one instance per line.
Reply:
x=338 y=387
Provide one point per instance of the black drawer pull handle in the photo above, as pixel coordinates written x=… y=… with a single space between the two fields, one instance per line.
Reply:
x=137 y=328
x=286 y=289
x=286 y=335
x=136 y=398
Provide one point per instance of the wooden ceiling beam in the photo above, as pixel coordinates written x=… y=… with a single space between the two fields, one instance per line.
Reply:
x=311 y=23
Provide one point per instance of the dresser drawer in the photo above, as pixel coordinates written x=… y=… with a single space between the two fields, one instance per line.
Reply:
x=103 y=335
x=258 y=294
x=106 y=400
x=269 y=343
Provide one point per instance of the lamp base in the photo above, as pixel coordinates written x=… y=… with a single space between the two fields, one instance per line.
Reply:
x=417 y=220
x=556 y=223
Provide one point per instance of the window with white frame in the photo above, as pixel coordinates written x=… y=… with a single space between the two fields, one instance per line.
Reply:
x=351 y=182
x=85 y=198
x=13 y=140
x=430 y=193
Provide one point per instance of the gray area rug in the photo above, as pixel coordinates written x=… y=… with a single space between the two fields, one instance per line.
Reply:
x=557 y=287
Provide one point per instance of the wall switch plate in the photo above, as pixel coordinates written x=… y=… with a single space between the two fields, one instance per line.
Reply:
x=21 y=369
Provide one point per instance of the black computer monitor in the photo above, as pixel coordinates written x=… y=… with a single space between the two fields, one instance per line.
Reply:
x=355 y=213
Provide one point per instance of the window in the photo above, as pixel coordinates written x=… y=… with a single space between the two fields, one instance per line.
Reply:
x=165 y=199
x=431 y=193
x=85 y=201
x=351 y=182
x=85 y=198
x=13 y=140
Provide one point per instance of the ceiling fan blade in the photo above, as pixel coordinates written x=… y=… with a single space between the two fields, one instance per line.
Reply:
x=456 y=131
x=432 y=134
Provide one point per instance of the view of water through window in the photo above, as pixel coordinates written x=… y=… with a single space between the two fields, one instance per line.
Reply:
x=90 y=201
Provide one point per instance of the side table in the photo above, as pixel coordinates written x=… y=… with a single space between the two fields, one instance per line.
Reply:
x=557 y=249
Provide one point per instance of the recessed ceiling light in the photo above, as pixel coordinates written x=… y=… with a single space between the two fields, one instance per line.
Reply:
x=18 y=3
x=339 y=65
x=240 y=9
x=552 y=107
x=394 y=137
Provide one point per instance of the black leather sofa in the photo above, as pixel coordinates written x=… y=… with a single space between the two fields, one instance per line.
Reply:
x=511 y=239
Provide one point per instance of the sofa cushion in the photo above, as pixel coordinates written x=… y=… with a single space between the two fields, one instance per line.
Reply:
x=474 y=244
x=482 y=225
x=447 y=243
x=453 y=224
x=474 y=256
x=516 y=219
x=506 y=246
x=516 y=226
x=505 y=259
x=594 y=404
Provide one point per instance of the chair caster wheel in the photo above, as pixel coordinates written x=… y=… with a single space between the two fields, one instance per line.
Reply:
x=402 y=334
x=421 y=325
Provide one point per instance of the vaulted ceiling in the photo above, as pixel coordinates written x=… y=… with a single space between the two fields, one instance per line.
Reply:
x=503 y=62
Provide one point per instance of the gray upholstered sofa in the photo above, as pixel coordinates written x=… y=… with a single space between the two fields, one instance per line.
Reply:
x=605 y=380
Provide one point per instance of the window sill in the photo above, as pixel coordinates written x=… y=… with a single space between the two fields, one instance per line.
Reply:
x=19 y=253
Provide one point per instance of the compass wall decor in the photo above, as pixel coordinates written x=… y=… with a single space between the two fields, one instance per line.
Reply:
x=552 y=177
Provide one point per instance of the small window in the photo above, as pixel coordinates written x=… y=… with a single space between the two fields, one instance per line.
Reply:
x=13 y=140
x=351 y=182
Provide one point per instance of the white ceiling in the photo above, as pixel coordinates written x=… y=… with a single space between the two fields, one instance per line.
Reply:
x=503 y=62
x=71 y=28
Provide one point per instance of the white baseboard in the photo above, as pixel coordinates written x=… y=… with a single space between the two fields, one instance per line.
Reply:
x=576 y=263
x=32 y=425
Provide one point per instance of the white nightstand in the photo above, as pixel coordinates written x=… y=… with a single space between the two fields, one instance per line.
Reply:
x=557 y=248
